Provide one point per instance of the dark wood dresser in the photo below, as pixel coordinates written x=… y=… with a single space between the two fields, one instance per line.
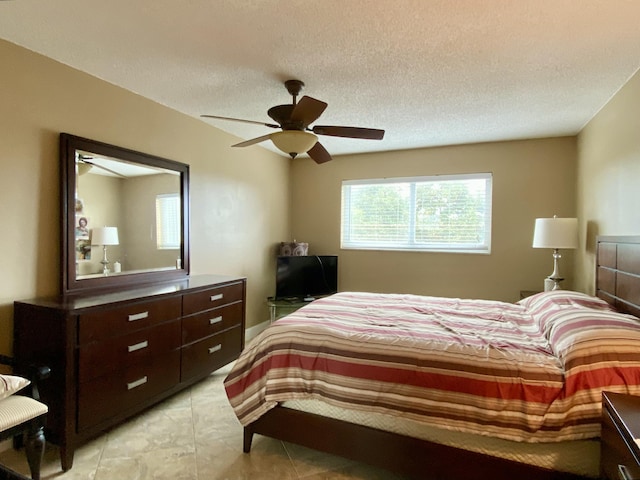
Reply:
x=620 y=452
x=114 y=354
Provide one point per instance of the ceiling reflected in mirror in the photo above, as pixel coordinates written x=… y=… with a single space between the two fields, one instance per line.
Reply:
x=112 y=167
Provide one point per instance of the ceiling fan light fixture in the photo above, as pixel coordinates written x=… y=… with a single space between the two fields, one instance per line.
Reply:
x=84 y=168
x=294 y=142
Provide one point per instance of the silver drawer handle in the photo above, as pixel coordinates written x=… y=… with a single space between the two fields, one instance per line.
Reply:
x=137 y=346
x=217 y=297
x=213 y=321
x=137 y=383
x=216 y=348
x=623 y=473
x=138 y=316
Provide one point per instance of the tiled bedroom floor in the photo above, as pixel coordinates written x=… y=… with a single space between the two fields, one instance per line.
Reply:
x=193 y=435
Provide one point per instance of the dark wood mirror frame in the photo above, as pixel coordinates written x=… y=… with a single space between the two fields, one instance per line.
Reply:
x=69 y=144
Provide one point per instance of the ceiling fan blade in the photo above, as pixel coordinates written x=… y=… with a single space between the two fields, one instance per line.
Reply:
x=271 y=125
x=253 y=141
x=319 y=154
x=307 y=110
x=349 y=132
x=113 y=172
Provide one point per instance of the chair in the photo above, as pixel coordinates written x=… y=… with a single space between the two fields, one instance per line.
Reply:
x=22 y=415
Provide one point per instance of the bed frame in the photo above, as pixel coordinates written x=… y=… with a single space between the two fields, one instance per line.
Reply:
x=618 y=272
x=617 y=282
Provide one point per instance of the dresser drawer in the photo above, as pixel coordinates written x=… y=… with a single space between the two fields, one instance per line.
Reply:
x=111 y=395
x=212 y=298
x=200 y=325
x=100 y=358
x=121 y=320
x=205 y=356
x=617 y=462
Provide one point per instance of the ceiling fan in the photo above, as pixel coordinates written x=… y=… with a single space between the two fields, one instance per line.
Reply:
x=294 y=119
x=86 y=163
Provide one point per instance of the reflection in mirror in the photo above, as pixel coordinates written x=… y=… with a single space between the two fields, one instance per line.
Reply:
x=126 y=216
x=140 y=205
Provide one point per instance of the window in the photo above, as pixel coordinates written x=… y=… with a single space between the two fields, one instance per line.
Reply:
x=168 y=221
x=443 y=213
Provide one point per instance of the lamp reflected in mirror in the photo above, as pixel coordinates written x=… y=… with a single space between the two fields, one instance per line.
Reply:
x=104 y=236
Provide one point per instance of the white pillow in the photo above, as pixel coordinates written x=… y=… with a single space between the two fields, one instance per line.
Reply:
x=544 y=301
x=10 y=384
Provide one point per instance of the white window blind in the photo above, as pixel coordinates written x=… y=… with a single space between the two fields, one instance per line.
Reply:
x=439 y=213
x=168 y=221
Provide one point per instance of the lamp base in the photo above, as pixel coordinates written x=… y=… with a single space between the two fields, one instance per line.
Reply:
x=105 y=268
x=104 y=261
x=554 y=279
x=552 y=284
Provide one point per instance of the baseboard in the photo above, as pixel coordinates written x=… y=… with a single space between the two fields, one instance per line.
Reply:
x=252 y=332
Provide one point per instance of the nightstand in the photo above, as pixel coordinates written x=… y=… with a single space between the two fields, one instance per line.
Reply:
x=619 y=449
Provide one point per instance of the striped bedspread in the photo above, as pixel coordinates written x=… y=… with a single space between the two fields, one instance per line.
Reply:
x=475 y=366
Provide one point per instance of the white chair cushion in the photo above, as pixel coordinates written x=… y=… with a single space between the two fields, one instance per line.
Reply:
x=10 y=384
x=18 y=409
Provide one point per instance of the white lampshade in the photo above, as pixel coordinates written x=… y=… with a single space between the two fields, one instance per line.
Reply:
x=294 y=142
x=104 y=236
x=555 y=233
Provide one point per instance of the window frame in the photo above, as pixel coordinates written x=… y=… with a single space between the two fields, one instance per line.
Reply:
x=483 y=247
x=161 y=217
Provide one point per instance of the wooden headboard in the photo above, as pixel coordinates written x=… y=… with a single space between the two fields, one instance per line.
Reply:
x=618 y=272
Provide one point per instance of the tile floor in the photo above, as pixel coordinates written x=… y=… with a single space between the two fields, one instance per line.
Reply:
x=193 y=435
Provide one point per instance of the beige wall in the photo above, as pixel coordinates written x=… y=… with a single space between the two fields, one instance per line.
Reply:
x=139 y=246
x=239 y=197
x=608 y=194
x=530 y=179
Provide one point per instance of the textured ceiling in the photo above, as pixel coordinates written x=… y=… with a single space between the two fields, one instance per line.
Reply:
x=429 y=72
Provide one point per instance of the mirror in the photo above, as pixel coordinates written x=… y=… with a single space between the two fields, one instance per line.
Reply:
x=125 y=216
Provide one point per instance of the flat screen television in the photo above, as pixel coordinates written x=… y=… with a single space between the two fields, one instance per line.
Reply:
x=306 y=277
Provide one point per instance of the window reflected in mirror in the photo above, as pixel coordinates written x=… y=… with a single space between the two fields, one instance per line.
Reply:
x=168 y=221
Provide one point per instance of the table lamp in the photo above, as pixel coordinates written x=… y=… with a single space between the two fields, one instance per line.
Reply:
x=104 y=236
x=555 y=233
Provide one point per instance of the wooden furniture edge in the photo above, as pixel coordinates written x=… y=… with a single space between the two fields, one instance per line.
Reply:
x=391 y=451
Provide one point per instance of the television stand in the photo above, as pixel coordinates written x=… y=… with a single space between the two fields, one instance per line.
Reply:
x=281 y=308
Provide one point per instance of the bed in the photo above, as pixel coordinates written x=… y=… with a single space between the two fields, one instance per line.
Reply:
x=409 y=384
